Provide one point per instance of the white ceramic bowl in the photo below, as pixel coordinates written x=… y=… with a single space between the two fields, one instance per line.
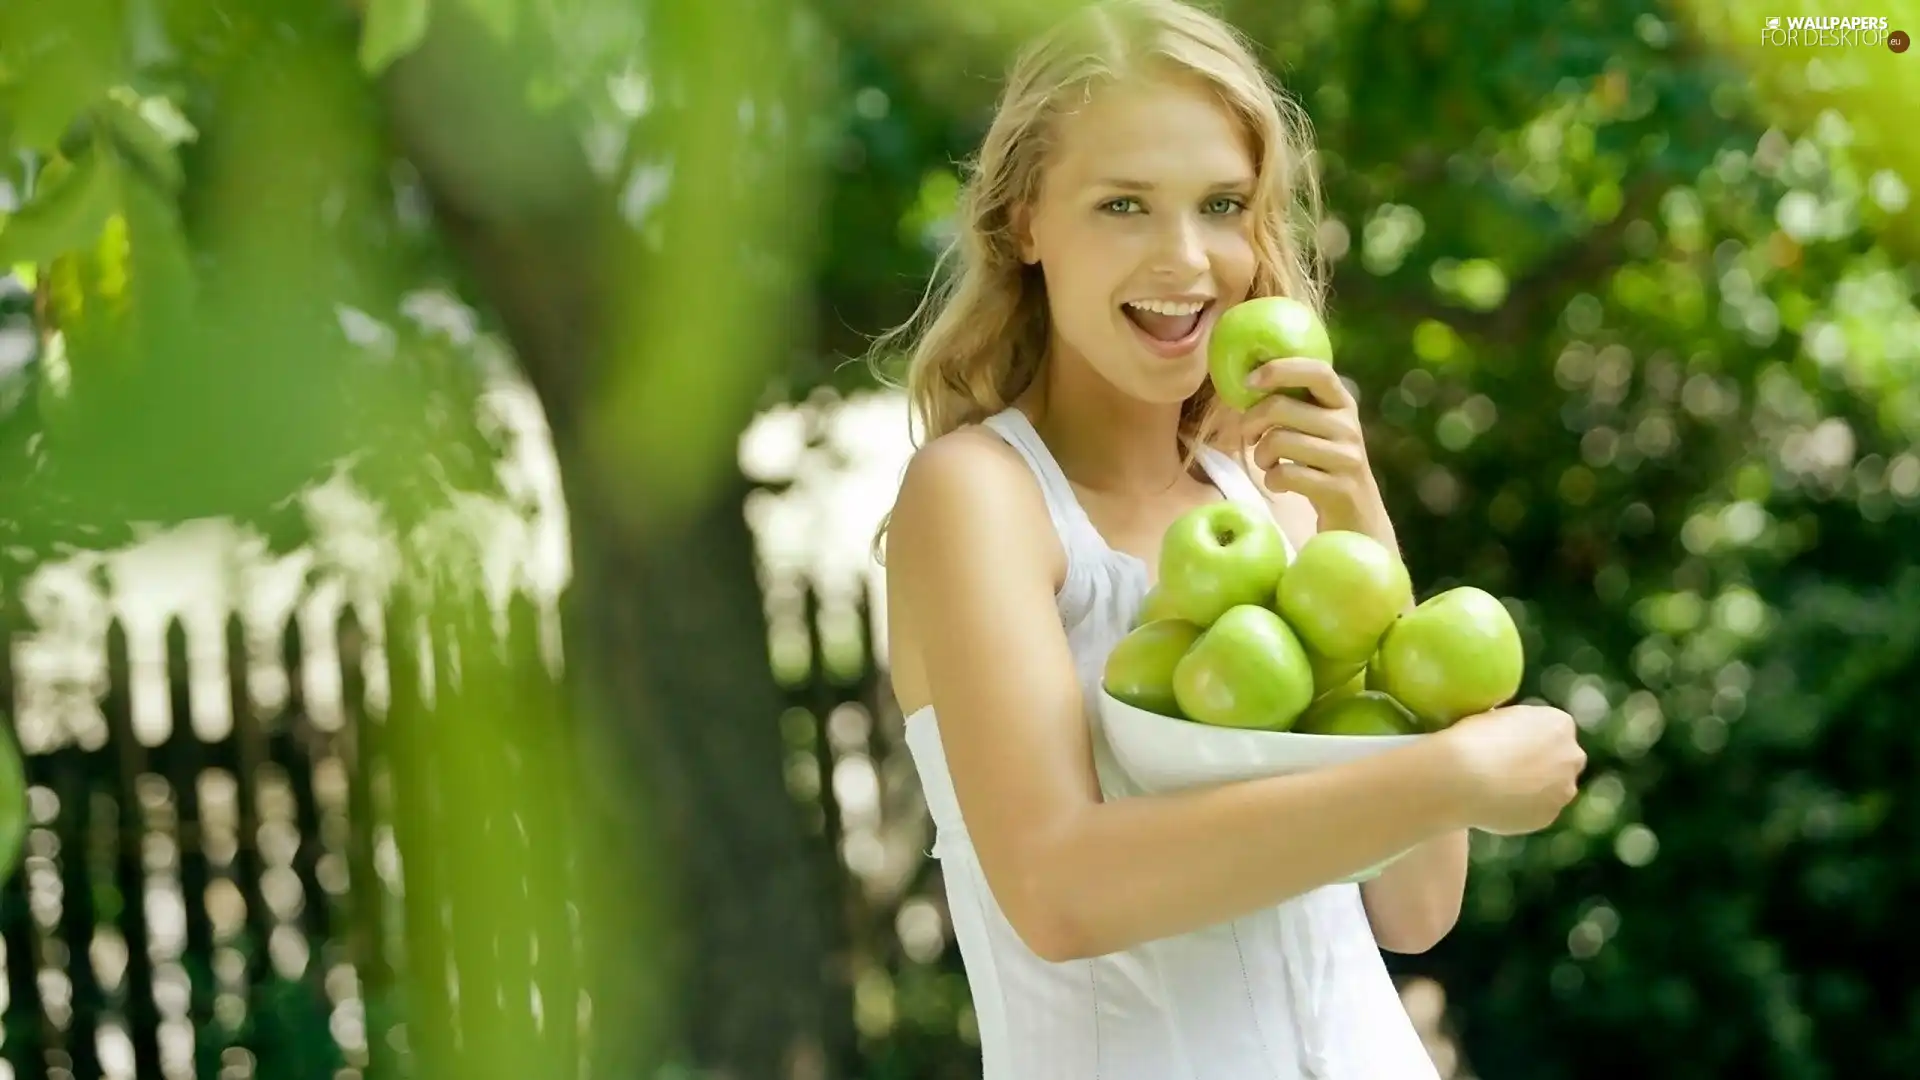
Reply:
x=1162 y=754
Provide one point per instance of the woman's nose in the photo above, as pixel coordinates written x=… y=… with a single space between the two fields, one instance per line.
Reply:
x=1182 y=247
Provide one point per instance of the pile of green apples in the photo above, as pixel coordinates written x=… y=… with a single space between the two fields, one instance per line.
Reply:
x=1235 y=634
x=1330 y=643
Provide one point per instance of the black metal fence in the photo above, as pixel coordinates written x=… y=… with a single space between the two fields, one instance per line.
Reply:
x=243 y=890
x=222 y=895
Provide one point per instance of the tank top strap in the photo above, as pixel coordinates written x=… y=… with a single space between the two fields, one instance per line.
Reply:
x=1063 y=506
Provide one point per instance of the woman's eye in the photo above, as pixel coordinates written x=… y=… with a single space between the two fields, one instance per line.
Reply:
x=1220 y=205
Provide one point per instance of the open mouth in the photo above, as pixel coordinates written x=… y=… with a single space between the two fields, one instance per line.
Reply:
x=1171 y=326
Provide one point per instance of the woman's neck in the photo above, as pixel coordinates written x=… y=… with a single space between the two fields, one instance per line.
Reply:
x=1104 y=440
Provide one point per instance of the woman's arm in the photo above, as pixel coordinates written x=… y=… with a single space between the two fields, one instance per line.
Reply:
x=972 y=574
x=1414 y=903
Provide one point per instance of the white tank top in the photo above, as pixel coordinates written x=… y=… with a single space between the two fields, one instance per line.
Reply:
x=1295 y=992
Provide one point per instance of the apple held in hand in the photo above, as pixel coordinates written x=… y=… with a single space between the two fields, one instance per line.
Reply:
x=1248 y=670
x=1216 y=557
x=1252 y=332
x=1368 y=712
x=1456 y=654
x=1341 y=594
x=1139 y=670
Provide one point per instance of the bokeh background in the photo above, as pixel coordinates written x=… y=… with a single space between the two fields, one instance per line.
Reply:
x=437 y=466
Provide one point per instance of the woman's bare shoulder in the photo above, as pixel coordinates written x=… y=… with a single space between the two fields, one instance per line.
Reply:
x=970 y=520
x=966 y=475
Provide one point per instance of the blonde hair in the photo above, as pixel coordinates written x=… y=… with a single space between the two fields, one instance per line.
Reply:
x=979 y=335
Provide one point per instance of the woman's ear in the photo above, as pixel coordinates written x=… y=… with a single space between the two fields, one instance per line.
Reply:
x=1022 y=221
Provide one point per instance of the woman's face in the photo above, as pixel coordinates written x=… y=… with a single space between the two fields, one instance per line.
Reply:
x=1141 y=232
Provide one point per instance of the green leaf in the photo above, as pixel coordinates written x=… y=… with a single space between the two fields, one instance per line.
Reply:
x=499 y=16
x=143 y=146
x=393 y=28
x=65 y=215
x=57 y=61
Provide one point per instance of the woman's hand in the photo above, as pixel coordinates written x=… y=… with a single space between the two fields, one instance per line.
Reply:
x=1311 y=442
x=1521 y=765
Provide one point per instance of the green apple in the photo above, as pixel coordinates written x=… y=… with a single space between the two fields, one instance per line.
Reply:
x=1219 y=556
x=1375 y=677
x=1342 y=592
x=1139 y=670
x=1454 y=655
x=1246 y=671
x=1153 y=608
x=1335 y=678
x=1368 y=712
x=1252 y=332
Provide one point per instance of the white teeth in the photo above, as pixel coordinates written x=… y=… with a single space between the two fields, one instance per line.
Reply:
x=1166 y=307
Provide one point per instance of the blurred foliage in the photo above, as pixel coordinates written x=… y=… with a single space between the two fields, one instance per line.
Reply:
x=1629 y=296
x=272 y=241
x=224 y=269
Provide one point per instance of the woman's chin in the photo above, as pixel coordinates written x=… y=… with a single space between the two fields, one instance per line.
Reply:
x=1140 y=375
x=1167 y=388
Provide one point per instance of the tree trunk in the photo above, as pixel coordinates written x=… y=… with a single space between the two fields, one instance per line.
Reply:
x=665 y=628
x=676 y=638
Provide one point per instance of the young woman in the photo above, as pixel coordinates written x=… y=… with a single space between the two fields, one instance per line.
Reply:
x=1140 y=177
